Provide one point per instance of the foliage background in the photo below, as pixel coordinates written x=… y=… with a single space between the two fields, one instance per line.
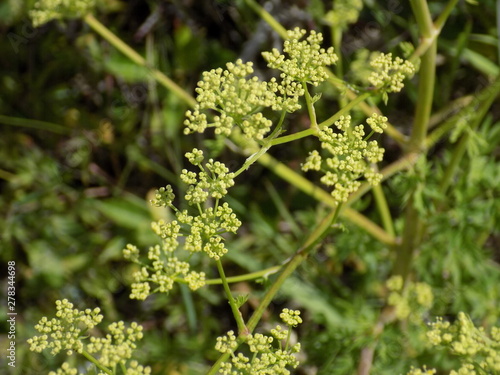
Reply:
x=85 y=135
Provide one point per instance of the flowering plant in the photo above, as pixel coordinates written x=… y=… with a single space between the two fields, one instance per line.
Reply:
x=252 y=111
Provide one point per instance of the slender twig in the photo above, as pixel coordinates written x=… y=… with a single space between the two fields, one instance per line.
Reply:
x=247 y=276
x=96 y=362
x=138 y=59
x=383 y=209
x=242 y=329
x=34 y=124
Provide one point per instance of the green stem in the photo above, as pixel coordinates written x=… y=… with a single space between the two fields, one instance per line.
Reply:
x=242 y=329
x=266 y=145
x=138 y=59
x=336 y=34
x=441 y=20
x=413 y=224
x=320 y=231
x=264 y=14
x=328 y=122
x=423 y=17
x=425 y=97
x=6 y=175
x=34 y=124
x=383 y=209
x=427 y=40
x=310 y=108
x=248 y=276
x=96 y=362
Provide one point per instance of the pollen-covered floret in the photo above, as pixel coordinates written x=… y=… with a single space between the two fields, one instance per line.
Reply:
x=302 y=60
x=213 y=180
x=479 y=352
x=136 y=369
x=270 y=354
x=351 y=157
x=227 y=343
x=291 y=317
x=389 y=73
x=65 y=331
x=377 y=122
x=236 y=97
x=423 y=371
x=202 y=232
x=47 y=10
x=411 y=300
x=164 y=197
x=117 y=346
x=65 y=369
x=70 y=331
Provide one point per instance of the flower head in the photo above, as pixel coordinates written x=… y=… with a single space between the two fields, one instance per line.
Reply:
x=389 y=73
x=47 y=10
x=350 y=159
x=303 y=60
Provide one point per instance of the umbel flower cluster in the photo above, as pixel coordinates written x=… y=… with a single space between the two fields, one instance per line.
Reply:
x=410 y=301
x=201 y=232
x=479 y=352
x=350 y=156
x=48 y=10
x=70 y=330
x=239 y=98
x=389 y=73
x=265 y=357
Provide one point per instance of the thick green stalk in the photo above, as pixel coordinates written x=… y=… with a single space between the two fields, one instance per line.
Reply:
x=424 y=101
x=138 y=59
x=413 y=223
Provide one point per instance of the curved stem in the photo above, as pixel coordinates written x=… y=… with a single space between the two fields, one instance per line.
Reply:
x=413 y=223
x=266 y=145
x=138 y=59
x=247 y=276
x=96 y=362
x=310 y=108
x=264 y=14
x=242 y=329
x=35 y=124
x=383 y=209
x=328 y=122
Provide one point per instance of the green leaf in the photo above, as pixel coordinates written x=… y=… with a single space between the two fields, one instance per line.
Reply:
x=241 y=300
